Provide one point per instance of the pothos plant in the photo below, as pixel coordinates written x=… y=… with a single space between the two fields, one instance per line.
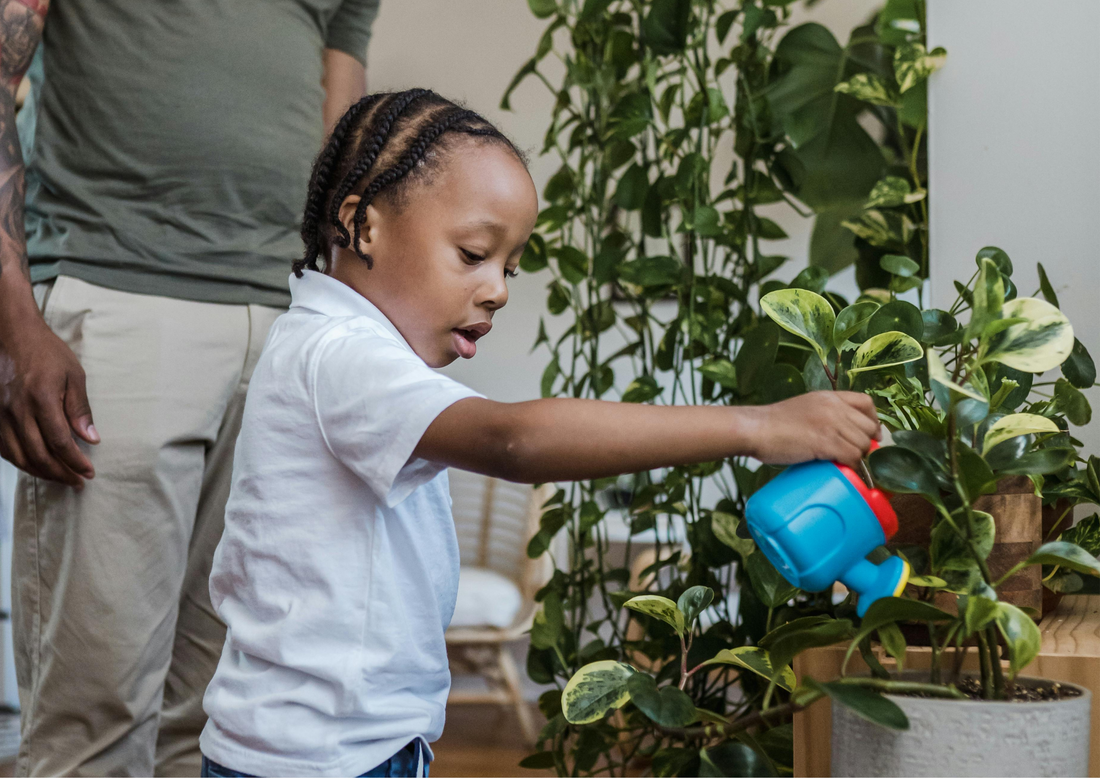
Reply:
x=655 y=254
x=865 y=180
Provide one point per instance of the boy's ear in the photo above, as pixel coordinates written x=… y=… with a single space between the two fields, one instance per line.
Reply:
x=347 y=218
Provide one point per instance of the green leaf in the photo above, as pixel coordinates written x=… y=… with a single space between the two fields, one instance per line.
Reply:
x=529 y=67
x=724 y=527
x=851 y=320
x=1068 y=555
x=1069 y=400
x=1041 y=342
x=832 y=160
x=937 y=373
x=721 y=371
x=659 y=608
x=595 y=690
x=756 y=355
x=791 y=643
x=705 y=222
x=902 y=471
x=802 y=313
x=534 y=255
x=999 y=257
x=812 y=279
x=694 y=601
x=1021 y=635
x=650 y=272
x=641 y=389
x=832 y=245
x=939 y=326
x=572 y=262
x=1016 y=424
x=559 y=299
x=732 y=757
x=782 y=381
x=897 y=316
x=756 y=660
x=899 y=265
x=1079 y=368
x=549 y=376
x=1046 y=288
x=869 y=88
x=543 y=8
x=665 y=28
x=1041 y=462
x=669 y=706
x=890 y=610
x=769 y=585
x=914 y=64
x=989 y=295
x=865 y=703
x=885 y=350
x=980 y=613
x=894 y=642
x=548 y=623
x=891 y=192
x=630 y=193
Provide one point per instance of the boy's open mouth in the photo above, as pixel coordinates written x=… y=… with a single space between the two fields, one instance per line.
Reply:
x=465 y=338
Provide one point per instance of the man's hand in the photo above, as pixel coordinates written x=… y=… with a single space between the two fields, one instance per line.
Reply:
x=42 y=403
x=819 y=425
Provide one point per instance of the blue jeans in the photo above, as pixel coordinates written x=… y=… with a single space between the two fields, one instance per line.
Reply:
x=400 y=765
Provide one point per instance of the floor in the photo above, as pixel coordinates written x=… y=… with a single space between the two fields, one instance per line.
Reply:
x=479 y=740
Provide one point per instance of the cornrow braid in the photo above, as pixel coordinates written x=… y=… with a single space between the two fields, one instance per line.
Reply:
x=368 y=156
x=402 y=168
x=390 y=130
x=319 y=182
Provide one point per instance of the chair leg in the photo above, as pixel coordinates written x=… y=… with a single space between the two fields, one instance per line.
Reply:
x=510 y=675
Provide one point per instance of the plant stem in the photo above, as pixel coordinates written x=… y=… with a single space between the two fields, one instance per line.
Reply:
x=995 y=662
x=987 y=672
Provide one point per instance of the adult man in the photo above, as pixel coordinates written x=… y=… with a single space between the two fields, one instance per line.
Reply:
x=167 y=154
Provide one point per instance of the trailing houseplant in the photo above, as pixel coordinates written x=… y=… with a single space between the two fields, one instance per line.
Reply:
x=865 y=181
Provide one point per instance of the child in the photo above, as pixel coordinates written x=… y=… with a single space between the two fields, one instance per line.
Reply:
x=337 y=572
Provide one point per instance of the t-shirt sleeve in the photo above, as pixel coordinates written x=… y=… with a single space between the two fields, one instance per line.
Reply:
x=349 y=28
x=374 y=400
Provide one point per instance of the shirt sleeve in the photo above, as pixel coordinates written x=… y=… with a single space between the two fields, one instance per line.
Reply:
x=374 y=399
x=349 y=28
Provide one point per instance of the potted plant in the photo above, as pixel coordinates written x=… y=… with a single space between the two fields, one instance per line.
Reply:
x=965 y=412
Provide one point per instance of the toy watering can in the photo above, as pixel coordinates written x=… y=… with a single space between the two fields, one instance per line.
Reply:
x=817 y=521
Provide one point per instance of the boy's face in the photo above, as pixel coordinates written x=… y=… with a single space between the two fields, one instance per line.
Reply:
x=441 y=260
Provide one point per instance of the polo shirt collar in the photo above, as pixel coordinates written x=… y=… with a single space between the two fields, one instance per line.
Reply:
x=323 y=294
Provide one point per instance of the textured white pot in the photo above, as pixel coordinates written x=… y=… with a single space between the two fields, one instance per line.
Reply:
x=967 y=738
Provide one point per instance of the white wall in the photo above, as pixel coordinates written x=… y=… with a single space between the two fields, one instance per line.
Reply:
x=1014 y=157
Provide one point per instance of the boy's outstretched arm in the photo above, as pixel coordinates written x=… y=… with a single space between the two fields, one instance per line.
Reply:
x=570 y=440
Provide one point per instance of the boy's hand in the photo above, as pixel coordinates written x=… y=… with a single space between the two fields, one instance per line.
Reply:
x=819 y=425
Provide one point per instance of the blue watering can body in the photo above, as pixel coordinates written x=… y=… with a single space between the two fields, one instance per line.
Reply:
x=817 y=521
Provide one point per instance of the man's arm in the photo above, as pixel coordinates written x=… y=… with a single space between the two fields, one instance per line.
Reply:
x=569 y=440
x=345 y=81
x=42 y=395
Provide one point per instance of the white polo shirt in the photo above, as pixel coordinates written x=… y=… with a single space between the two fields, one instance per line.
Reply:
x=338 y=568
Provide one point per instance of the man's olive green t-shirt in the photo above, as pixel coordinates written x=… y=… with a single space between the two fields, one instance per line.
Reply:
x=168 y=143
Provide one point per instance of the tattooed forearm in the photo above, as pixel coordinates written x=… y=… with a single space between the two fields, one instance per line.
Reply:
x=21 y=23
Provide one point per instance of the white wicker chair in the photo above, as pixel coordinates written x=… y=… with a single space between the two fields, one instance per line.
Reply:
x=494 y=520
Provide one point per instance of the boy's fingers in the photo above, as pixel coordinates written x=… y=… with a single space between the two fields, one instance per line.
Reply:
x=861 y=403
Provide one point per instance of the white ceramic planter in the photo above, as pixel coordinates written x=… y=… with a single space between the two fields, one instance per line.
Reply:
x=967 y=738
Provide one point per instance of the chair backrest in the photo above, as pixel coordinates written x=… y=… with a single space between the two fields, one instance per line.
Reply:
x=494 y=521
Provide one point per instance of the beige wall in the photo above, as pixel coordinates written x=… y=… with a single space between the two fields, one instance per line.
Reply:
x=469 y=50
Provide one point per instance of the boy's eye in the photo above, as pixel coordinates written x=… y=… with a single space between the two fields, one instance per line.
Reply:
x=511 y=273
x=472 y=256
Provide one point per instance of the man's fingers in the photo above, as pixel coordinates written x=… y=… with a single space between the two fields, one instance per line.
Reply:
x=59 y=440
x=45 y=463
x=10 y=447
x=78 y=410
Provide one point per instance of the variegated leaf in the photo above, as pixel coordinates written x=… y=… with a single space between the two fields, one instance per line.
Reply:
x=1041 y=342
x=595 y=690
x=803 y=313
x=1015 y=425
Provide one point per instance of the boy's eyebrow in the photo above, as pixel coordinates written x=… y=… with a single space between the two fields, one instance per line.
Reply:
x=486 y=224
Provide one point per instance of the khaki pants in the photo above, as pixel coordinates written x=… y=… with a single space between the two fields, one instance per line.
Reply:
x=115 y=637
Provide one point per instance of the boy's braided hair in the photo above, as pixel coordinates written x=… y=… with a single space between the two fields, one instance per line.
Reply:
x=380 y=145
